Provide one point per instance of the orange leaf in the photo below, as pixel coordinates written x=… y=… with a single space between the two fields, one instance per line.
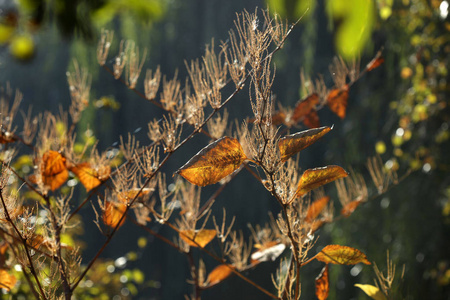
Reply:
x=197 y=238
x=375 y=62
x=268 y=252
x=291 y=144
x=214 y=162
x=322 y=284
x=316 y=208
x=314 y=178
x=7 y=281
x=341 y=255
x=89 y=177
x=129 y=195
x=6 y=137
x=54 y=172
x=113 y=212
x=305 y=106
x=219 y=274
x=311 y=120
x=349 y=208
x=278 y=118
x=337 y=101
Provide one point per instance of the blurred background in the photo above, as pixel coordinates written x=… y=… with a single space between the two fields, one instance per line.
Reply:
x=399 y=111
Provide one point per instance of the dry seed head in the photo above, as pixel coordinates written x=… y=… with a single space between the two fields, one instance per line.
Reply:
x=218 y=124
x=238 y=250
x=104 y=44
x=339 y=72
x=129 y=149
x=134 y=66
x=151 y=83
x=171 y=94
x=79 y=86
x=120 y=61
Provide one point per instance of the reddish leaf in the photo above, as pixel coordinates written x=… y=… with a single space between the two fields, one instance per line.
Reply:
x=311 y=120
x=53 y=168
x=219 y=274
x=294 y=143
x=316 y=208
x=322 y=284
x=337 y=101
x=89 y=177
x=113 y=212
x=341 y=255
x=6 y=137
x=314 y=178
x=198 y=238
x=7 y=281
x=349 y=208
x=305 y=106
x=375 y=62
x=214 y=162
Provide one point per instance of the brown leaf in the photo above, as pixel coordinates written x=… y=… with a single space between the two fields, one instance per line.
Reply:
x=113 y=212
x=375 y=62
x=322 y=284
x=278 y=118
x=198 y=238
x=314 y=178
x=304 y=107
x=54 y=171
x=214 y=162
x=7 y=281
x=316 y=208
x=341 y=255
x=294 y=143
x=337 y=101
x=349 y=208
x=6 y=137
x=219 y=274
x=311 y=120
x=89 y=177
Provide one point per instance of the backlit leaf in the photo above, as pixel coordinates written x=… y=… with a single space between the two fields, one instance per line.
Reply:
x=7 y=281
x=314 y=178
x=372 y=291
x=375 y=62
x=305 y=106
x=349 y=208
x=269 y=251
x=197 y=238
x=322 y=284
x=54 y=171
x=219 y=274
x=337 y=101
x=113 y=212
x=294 y=143
x=89 y=177
x=341 y=255
x=214 y=162
x=312 y=119
x=316 y=208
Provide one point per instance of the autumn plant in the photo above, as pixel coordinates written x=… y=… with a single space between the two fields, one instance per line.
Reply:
x=38 y=210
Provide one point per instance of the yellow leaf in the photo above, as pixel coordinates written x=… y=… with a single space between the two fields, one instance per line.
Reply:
x=291 y=144
x=112 y=213
x=314 y=178
x=7 y=281
x=372 y=291
x=214 y=162
x=322 y=284
x=53 y=168
x=89 y=177
x=219 y=274
x=316 y=208
x=341 y=255
x=197 y=238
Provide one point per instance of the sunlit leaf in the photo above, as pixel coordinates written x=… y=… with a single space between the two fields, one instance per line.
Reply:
x=337 y=101
x=219 y=274
x=316 y=208
x=350 y=207
x=54 y=171
x=375 y=62
x=198 y=238
x=314 y=178
x=341 y=255
x=305 y=111
x=129 y=195
x=113 y=212
x=7 y=281
x=214 y=162
x=372 y=291
x=322 y=284
x=294 y=143
x=269 y=251
x=89 y=177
